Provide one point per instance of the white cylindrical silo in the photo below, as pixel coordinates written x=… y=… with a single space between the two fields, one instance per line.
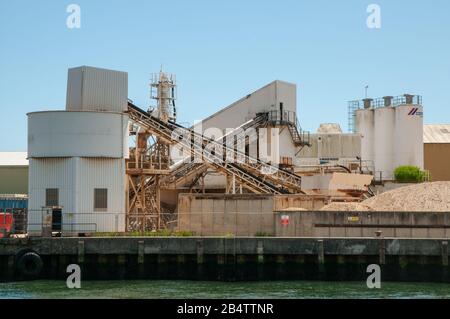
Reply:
x=409 y=135
x=384 y=138
x=365 y=126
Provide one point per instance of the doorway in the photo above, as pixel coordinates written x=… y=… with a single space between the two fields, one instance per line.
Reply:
x=56 y=220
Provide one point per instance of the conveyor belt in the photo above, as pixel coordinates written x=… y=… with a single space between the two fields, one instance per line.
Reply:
x=250 y=172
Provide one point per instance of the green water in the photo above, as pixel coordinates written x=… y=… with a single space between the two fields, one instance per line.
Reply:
x=202 y=289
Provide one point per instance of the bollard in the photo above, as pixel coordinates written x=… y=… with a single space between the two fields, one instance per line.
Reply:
x=260 y=252
x=382 y=252
x=140 y=252
x=444 y=253
x=321 y=252
x=200 y=259
x=80 y=251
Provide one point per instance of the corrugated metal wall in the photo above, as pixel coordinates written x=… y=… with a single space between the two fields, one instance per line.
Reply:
x=81 y=134
x=101 y=173
x=96 y=89
x=76 y=178
x=49 y=173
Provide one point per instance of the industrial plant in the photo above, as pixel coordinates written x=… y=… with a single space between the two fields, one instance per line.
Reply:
x=127 y=191
x=107 y=165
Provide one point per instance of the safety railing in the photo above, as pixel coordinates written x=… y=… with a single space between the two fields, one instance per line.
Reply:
x=48 y=222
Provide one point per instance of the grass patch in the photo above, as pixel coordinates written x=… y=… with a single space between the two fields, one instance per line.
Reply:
x=263 y=234
x=159 y=233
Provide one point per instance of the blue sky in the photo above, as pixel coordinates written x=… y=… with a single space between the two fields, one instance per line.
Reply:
x=223 y=50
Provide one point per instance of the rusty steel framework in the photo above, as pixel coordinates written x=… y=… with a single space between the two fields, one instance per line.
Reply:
x=149 y=171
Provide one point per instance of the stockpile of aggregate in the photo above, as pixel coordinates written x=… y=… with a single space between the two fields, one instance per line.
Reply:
x=431 y=197
x=346 y=207
x=425 y=197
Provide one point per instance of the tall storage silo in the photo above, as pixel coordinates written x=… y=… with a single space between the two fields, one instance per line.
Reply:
x=384 y=142
x=365 y=126
x=409 y=135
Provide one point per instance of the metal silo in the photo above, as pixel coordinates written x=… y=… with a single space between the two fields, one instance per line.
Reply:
x=409 y=135
x=384 y=140
x=365 y=126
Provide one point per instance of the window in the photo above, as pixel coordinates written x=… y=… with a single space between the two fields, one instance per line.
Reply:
x=51 y=197
x=100 y=199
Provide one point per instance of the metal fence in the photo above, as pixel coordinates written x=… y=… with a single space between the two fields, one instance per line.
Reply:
x=227 y=222
x=54 y=222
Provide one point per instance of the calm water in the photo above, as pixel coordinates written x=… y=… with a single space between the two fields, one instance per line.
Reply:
x=192 y=289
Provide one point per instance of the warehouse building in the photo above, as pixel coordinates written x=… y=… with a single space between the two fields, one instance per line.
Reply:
x=436 y=139
x=13 y=173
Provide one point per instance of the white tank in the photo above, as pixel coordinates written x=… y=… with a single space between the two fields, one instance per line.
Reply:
x=365 y=126
x=384 y=139
x=77 y=134
x=409 y=135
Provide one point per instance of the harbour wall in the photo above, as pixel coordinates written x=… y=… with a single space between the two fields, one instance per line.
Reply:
x=226 y=259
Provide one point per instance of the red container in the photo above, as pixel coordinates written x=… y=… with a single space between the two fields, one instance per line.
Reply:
x=6 y=222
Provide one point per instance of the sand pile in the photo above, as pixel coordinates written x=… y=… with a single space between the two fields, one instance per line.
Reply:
x=346 y=207
x=293 y=209
x=426 y=197
x=421 y=197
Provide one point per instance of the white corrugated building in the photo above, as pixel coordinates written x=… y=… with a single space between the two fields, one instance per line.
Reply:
x=77 y=157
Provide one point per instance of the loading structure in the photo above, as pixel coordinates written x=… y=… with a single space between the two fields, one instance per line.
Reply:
x=155 y=171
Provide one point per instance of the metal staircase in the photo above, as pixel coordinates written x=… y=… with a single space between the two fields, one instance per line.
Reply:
x=300 y=138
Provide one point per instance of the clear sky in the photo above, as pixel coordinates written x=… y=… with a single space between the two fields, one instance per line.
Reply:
x=223 y=50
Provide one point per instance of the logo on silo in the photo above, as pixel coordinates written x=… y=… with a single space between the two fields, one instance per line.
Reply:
x=415 y=111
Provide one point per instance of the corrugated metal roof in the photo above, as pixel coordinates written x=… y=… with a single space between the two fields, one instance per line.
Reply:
x=13 y=159
x=436 y=133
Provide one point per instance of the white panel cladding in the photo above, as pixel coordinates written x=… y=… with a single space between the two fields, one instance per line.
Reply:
x=265 y=99
x=384 y=141
x=341 y=146
x=409 y=136
x=76 y=178
x=49 y=173
x=286 y=147
x=74 y=100
x=286 y=93
x=84 y=134
x=94 y=89
x=101 y=173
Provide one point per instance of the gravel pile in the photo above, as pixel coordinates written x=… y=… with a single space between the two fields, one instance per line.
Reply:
x=426 y=197
x=420 y=197
x=346 y=207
